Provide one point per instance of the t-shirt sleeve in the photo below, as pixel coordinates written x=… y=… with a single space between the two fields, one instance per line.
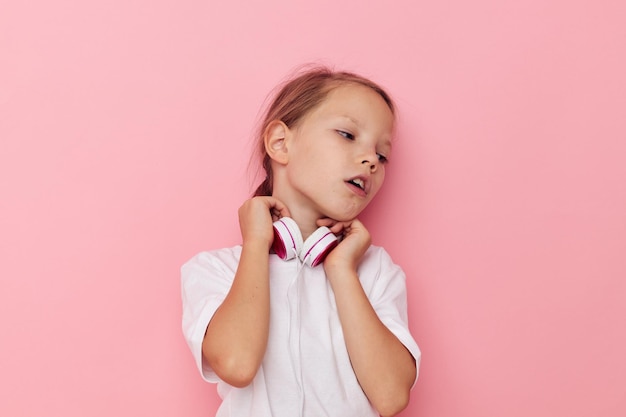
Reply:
x=205 y=281
x=388 y=296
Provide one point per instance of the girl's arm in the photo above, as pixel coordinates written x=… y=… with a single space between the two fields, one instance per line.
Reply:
x=384 y=367
x=235 y=340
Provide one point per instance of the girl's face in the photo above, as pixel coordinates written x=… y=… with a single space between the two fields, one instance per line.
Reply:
x=337 y=153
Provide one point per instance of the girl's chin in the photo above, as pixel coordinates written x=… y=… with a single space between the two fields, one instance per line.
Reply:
x=344 y=217
x=342 y=214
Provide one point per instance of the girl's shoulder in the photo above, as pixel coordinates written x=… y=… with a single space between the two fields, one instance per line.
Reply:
x=377 y=255
x=377 y=264
x=224 y=258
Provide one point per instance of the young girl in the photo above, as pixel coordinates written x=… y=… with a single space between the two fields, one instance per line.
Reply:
x=306 y=318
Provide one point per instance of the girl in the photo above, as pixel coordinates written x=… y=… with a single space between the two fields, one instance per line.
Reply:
x=306 y=318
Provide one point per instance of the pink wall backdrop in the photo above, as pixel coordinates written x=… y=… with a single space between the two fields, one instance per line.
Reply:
x=124 y=139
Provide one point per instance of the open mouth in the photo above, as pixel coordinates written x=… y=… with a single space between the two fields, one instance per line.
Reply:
x=357 y=182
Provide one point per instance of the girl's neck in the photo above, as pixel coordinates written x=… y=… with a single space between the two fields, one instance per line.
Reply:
x=306 y=222
x=304 y=216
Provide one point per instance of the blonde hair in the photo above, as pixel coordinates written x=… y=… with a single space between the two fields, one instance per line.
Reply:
x=297 y=97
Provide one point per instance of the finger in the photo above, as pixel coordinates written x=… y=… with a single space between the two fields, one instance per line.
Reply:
x=326 y=221
x=348 y=227
x=277 y=208
x=340 y=227
x=356 y=224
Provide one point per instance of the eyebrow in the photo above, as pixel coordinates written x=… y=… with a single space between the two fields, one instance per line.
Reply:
x=352 y=119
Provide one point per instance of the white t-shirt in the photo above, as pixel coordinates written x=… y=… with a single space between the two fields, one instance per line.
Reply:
x=306 y=370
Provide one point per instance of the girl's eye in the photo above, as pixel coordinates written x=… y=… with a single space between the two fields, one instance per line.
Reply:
x=382 y=158
x=346 y=135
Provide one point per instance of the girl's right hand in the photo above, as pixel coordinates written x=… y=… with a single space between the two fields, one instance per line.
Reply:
x=256 y=217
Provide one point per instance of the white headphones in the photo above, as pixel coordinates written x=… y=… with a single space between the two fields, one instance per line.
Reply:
x=288 y=242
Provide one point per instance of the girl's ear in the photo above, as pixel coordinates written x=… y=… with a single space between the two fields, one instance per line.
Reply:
x=275 y=140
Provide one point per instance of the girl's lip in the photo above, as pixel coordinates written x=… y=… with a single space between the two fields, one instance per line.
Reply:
x=356 y=189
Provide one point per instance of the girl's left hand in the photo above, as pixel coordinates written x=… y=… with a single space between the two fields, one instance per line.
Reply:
x=354 y=241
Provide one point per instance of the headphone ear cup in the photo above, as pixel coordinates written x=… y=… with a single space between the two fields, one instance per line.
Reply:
x=317 y=246
x=287 y=238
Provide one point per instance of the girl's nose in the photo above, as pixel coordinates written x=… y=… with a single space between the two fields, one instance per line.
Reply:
x=372 y=162
x=369 y=156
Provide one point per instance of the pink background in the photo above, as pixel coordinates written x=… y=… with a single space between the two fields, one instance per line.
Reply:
x=125 y=132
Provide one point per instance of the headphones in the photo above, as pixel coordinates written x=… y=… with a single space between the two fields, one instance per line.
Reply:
x=288 y=242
